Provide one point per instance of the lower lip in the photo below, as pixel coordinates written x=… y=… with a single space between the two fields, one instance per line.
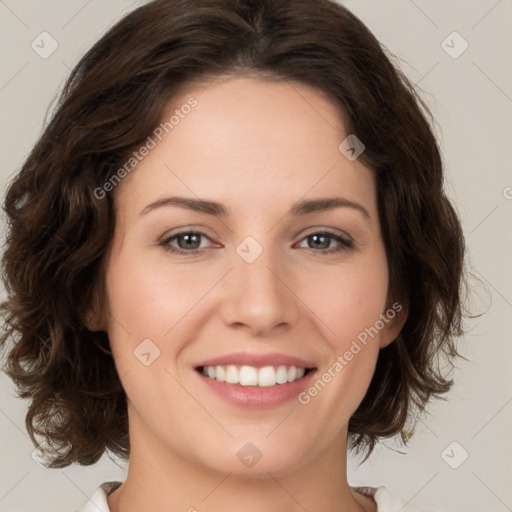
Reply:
x=256 y=397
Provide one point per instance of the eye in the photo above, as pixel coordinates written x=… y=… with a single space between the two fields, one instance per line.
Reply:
x=189 y=242
x=319 y=240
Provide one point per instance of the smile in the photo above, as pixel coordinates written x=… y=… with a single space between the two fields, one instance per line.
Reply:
x=255 y=387
x=251 y=376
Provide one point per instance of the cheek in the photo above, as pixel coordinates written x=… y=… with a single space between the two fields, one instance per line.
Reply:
x=148 y=298
x=348 y=298
x=145 y=327
x=347 y=304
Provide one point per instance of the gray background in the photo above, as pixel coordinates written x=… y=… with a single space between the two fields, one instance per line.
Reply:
x=471 y=98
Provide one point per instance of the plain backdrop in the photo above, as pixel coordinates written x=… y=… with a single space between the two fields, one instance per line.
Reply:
x=470 y=94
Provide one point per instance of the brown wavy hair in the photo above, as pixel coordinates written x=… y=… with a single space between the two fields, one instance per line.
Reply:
x=59 y=231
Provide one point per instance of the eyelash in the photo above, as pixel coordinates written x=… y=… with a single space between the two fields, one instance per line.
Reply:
x=344 y=243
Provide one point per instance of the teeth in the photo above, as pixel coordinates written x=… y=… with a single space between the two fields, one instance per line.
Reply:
x=220 y=374
x=251 y=376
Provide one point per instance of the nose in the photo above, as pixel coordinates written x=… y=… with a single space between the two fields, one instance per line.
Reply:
x=258 y=297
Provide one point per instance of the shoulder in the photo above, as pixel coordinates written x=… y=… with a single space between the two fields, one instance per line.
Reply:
x=386 y=501
x=98 y=501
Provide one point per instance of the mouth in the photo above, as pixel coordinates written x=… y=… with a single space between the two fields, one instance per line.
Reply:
x=252 y=387
x=255 y=380
x=252 y=376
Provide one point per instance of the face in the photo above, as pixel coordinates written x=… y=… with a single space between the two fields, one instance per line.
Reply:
x=255 y=286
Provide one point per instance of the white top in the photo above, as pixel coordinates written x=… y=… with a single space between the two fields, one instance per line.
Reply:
x=386 y=502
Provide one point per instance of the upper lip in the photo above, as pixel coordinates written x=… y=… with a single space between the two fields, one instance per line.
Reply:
x=257 y=360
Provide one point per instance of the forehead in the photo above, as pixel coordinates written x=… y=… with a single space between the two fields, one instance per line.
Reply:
x=251 y=144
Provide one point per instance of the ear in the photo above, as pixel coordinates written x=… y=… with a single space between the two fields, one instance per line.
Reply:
x=394 y=318
x=93 y=322
x=94 y=316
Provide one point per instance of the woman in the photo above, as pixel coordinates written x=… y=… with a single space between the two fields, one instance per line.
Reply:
x=321 y=284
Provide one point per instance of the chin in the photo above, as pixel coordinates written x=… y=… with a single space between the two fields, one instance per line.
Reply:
x=255 y=460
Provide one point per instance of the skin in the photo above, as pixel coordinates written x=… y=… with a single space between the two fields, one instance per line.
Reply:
x=256 y=147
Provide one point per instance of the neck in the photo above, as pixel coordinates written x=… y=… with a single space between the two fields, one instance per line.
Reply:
x=161 y=480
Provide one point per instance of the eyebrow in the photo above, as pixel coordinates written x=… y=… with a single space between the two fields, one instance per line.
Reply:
x=218 y=210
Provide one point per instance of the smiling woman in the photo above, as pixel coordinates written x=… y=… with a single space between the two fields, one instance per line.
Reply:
x=285 y=251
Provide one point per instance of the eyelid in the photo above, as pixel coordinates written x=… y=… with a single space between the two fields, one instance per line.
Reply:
x=187 y=229
x=345 y=241
x=311 y=231
x=330 y=231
